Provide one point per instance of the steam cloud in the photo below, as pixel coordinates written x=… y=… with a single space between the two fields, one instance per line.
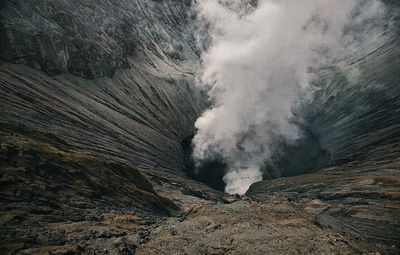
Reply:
x=258 y=67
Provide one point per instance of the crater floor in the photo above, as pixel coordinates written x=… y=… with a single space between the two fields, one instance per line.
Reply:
x=57 y=201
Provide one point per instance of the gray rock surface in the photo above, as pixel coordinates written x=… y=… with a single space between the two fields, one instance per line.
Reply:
x=93 y=38
x=143 y=101
x=115 y=80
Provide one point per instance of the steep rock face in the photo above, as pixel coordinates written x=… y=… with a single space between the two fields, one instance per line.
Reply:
x=355 y=119
x=94 y=38
x=350 y=101
x=140 y=112
x=129 y=118
x=361 y=98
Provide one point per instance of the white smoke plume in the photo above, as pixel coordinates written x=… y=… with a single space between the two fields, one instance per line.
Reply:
x=257 y=65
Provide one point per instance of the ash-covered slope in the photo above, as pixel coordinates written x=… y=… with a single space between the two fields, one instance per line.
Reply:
x=40 y=167
x=143 y=101
x=350 y=105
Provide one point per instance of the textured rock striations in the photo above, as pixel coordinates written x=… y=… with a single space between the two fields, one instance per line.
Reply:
x=351 y=101
x=360 y=196
x=104 y=88
x=94 y=38
x=138 y=113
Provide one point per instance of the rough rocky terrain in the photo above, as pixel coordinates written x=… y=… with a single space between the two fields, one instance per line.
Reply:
x=47 y=189
x=95 y=101
x=360 y=196
x=56 y=201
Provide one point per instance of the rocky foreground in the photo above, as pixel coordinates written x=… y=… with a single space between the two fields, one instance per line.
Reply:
x=57 y=201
